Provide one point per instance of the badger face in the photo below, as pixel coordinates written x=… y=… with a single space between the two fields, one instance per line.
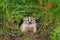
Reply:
x=29 y=20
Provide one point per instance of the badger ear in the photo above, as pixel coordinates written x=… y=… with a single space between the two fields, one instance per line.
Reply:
x=34 y=18
x=24 y=19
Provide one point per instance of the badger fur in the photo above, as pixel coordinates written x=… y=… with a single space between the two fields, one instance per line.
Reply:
x=28 y=25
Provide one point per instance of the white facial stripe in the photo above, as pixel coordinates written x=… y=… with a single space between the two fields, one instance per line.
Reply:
x=30 y=19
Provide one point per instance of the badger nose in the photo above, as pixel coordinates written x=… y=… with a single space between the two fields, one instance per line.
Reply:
x=29 y=22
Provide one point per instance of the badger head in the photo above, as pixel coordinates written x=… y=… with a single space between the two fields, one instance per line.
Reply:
x=29 y=20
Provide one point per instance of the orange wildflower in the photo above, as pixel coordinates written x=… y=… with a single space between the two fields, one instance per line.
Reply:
x=49 y=5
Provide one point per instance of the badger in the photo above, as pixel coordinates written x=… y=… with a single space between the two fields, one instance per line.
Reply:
x=28 y=25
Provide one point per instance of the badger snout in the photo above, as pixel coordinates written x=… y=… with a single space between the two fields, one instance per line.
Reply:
x=30 y=23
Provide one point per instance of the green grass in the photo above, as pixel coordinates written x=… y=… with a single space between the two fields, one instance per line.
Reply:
x=15 y=10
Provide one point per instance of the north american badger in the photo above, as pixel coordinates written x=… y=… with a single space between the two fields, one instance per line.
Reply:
x=28 y=25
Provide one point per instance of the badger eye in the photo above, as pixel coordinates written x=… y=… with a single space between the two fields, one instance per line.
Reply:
x=31 y=20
